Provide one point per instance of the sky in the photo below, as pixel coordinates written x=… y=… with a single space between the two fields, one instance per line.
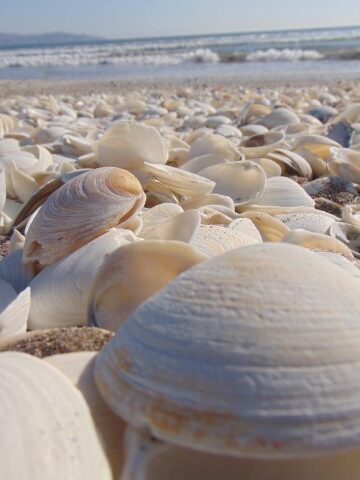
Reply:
x=147 y=18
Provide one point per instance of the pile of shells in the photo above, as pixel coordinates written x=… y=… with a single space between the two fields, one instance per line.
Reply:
x=209 y=238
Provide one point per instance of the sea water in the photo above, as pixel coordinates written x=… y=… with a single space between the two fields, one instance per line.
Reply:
x=331 y=51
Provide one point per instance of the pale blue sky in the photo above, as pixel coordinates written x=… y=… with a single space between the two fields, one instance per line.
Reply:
x=142 y=18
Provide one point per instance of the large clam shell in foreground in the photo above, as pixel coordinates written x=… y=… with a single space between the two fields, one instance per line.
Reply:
x=203 y=364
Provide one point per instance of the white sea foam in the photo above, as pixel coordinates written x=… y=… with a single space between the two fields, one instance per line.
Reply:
x=287 y=55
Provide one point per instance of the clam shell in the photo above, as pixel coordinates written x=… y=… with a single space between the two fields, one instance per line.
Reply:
x=208 y=199
x=195 y=165
x=284 y=193
x=60 y=292
x=315 y=221
x=14 y=317
x=319 y=241
x=214 y=240
x=78 y=367
x=244 y=181
x=152 y=218
x=202 y=355
x=180 y=227
x=271 y=168
x=132 y=274
x=179 y=181
x=346 y=163
x=81 y=210
x=14 y=272
x=215 y=145
x=291 y=161
x=260 y=145
x=279 y=116
x=129 y=145
x=41 y=409
x=271 y=229
x=149 y=459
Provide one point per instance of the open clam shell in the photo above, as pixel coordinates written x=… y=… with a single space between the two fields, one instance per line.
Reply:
x=244 y=181
x=260 y=145
x=84 y=208
x=179 y=181
x=204 y=357
x=129 y=145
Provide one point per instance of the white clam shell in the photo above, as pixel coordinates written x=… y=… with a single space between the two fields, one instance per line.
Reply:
x=60 y=292
x=341 y=261
x=276 y=383
x=279 y=116
x=243 y=181
x=350 y=216
x=292 y=161
x=14 y=317
x=346 y=163
x=195 y=165
x=316 y=221
x=129 y=145
x=285 y=193
x=214 y=240
x=208 y=199
x=2 y=190
x=260 y=145
x=319 y=241
x=271 y=229
x=132 y=274
x=149 y=459
x=271 y=168
x=214 y=144
x=180 y=227
x=78 y=367
x=14 y=272
x=179 y=181
x=348 y=235
x=245 y=225
x=81 y=210
x=41 y=409
x=153 y=217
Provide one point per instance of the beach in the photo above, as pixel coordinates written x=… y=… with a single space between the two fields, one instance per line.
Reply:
x=181 y=262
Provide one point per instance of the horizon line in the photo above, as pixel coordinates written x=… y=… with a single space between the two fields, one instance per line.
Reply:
x=331 y=27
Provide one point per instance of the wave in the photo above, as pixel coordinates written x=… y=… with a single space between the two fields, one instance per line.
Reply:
x=112 y=54
x=285 y=55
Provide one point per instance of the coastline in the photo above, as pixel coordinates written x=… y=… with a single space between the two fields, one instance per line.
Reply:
x=115 y=84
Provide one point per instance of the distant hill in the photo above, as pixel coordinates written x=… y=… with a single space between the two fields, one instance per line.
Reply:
x=55 y=38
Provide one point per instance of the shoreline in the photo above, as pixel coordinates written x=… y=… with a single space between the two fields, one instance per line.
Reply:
x=115 y=84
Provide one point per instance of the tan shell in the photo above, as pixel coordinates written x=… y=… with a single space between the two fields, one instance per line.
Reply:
x=132 y=274
x=271 y=229
x=179 y=181
x=81 y=210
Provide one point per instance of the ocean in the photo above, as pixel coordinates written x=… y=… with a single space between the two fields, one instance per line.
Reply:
x=330 y=51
